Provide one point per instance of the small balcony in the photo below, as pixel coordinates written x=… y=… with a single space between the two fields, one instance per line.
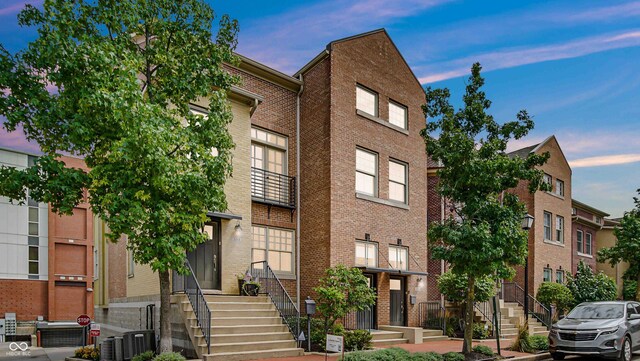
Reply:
x=273 y=188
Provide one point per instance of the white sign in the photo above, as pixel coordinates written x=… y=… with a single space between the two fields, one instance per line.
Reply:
x=334 y=343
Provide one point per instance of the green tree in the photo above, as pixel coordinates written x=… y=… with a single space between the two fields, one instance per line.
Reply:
x=454 y=287
x=112 y=82
x=627 y=247
x=485 y=236
x=555 y=294
x=342 y=290
x=589 y=287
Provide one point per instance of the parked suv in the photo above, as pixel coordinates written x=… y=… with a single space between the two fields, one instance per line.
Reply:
x=606 y=329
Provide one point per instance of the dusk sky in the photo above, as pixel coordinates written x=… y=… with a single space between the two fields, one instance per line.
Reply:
x=574 y=65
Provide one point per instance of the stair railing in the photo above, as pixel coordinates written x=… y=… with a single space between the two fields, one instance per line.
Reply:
x=189 y=285
x=270 y=285
x=484 y=308
x=432 y=315
x=512 y=292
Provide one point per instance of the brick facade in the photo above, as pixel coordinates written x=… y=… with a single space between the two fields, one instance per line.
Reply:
x=28 y=299
x=588 y=221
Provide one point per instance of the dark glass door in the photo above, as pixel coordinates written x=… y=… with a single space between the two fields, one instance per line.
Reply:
x=397 y=301
x=205 y=259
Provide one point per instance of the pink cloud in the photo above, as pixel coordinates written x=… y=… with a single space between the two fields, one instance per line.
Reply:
x=16 y=140
x=15 y=8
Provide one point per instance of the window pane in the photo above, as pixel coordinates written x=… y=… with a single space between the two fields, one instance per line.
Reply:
x=395 y=284
x=372 y=255
x=275 y=160
x=365 y=184
x=33 y=253
x=33 y=268
x=274 y=260
x=286 y=264
x=397 y=172
x=397 y=115
x=365 y=162
x=579 y=241
x=366 y=101
x=33 y=214
x=397 y=192
x=361 y=254
x=258 y=255
x=257 y=156
x=33 y=229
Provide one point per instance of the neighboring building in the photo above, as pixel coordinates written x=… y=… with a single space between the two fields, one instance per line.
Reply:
x=550 y=245
x=607 y=239
x=363 y=173
x=586 y=222
x=46 y=260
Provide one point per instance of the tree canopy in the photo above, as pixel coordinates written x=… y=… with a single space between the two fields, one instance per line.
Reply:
x=113 y=82
x=484 y=236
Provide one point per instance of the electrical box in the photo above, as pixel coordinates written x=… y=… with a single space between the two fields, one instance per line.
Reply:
x=10 y=324
x=2 y=329
x=412 y=299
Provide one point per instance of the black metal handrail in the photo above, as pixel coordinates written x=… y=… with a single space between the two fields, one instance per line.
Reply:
x=359 y=320
x=189 y=285
x=486 y=311
x=273 y=188
x=271 y=286
x=512 y=292
x=432 y=315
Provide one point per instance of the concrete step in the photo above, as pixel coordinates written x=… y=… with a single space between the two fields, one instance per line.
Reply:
x=511 y=331
x=215 y=306
x=388 y=342
x=253 y=355
x=244 y=329
x=236 y=299
x=249 y=337
x=251 y=346
x=430 y=333
x=244 y=313
x=385 y=335
x=434 y=338
x=246 y=321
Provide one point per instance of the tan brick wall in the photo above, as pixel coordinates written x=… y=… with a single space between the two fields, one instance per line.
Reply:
x=607 y=239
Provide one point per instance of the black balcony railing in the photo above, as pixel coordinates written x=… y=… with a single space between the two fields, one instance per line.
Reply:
x=189 y=285
x=432 y=315
x=359 y=320
x=273 y=188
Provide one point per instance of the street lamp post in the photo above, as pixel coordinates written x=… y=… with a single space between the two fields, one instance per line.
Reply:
x=527 y=222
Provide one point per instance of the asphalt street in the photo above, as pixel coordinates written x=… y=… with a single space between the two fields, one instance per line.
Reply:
x=8 y=353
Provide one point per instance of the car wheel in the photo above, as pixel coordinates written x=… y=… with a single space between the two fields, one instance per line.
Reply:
x=557 y=356
x=627 y=350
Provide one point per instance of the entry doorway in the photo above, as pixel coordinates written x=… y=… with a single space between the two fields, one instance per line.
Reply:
x=366 y=320
x=205 y=259
x=397 y=301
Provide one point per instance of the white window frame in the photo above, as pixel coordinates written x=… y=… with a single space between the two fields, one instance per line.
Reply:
x=560 y=276
x=371 y=260
x=588 y=243
x=405 y=185
x=398 y=250
x=374 y=175
x=559 y=187
x=361 y=88
x=547 y=216
x=580 y=241
x=548 y=179
x=268 y=249
x=559 y=229
x=405 y=121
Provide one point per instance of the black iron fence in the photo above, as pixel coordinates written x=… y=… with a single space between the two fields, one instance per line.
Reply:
x=190 y=286
x=360 y=320
x=432 y=315
x=273 y=188
x=486 y=313
x=512 y=292
x=271 y=286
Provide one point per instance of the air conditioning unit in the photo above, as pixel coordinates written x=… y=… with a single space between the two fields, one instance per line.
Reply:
x=118 y=349
x=138 y=344
x=107 y=350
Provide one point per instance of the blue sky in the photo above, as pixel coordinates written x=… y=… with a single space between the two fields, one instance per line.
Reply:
x=574 y=65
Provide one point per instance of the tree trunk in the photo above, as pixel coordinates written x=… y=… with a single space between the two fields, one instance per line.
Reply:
x=468 y=316
x=165 y=312
x=637 y=288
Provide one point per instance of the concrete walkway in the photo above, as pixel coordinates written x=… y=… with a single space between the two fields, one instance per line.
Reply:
x=13 y=353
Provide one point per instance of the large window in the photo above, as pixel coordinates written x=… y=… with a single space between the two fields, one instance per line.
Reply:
x=588 y=244
x=398 y=181
x=559 y=187
x=366 y=254
x=366 y=172
x=559 y=276
x=546 y=178
x=546 y=275
x=579 y=241
x=398 y=115
x=269 y=179
x=398 y=258
x=275 y=246
x=547 y=226
x=366 y=101
x=33 y=240
x=560 y=229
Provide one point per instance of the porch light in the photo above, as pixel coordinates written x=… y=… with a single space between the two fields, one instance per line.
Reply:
x=527 y=222
x=237 y=232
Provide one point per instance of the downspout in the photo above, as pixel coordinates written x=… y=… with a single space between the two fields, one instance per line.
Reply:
x=298 y=195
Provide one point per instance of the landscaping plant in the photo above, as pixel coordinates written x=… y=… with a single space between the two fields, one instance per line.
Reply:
x=169 y=356
x=555 y=294
x=454 y=287
x=145 y=356
x=589 y=287
x=629 y=288
x=483 y=349
x=88 y=353
x=480 y=331
x=539 y=342
x=453 y=356
x=522 y=341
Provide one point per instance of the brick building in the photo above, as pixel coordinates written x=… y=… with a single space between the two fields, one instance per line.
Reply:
x=363 y=173
x=586 y=222
x=46 y=260
x=607 y=239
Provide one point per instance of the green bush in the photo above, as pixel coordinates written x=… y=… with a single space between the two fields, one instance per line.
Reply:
x=479 y=331
x=169 y=356
x=356 y=340
x=485 y=350
x=426 y=356
x=88 y=353
x=629 y=290
x=453 y=356
x=145 y=356
x=556 y=294
x=521 y=343
x=454 y=287
x=539 y=342
x=452 y=326
x=387 y=354
x=588 y=287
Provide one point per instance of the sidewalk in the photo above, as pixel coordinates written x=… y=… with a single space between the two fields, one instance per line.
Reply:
x=34 y=353
x=437 y=346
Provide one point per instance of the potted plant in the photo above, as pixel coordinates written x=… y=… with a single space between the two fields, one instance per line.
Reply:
x=248 y=285
x=240 y=277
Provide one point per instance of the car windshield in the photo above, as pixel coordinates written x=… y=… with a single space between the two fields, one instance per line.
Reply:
x=597 y=312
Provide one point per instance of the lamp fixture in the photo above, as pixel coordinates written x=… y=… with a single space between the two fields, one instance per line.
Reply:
x=527 y=222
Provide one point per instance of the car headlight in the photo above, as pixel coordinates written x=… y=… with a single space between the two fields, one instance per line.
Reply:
x=608 y=331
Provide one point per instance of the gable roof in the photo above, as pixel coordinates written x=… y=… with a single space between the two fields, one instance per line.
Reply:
x=329 y=46
x=523 y=152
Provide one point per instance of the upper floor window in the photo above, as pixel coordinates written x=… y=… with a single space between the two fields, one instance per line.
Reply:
x=366 y=100
x=275 y=246
x=546 y=178
x=547 y=226
x=559 y=187
x=560 y=229
x=588 y=244
x=398 y=258
x=398 y=181
x=366 y=254
x=268 y=151
x=579 y=241
x=398 y=115
x=598 y=219
x=366 y=172
x=559 y=276
x=546 y=275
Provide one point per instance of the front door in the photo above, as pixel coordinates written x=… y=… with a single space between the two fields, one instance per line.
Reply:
x=205 y=259
x=397 y=301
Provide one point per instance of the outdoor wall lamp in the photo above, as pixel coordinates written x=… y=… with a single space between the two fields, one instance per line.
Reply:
x=527 y=222
x=237 y=232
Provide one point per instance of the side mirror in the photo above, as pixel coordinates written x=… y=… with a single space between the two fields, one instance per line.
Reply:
x=634 y=316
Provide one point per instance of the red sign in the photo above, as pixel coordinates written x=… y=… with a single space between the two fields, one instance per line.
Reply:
x=95 y=330
x=83 y=320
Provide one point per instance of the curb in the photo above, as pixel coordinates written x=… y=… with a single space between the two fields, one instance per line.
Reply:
x=537 y=357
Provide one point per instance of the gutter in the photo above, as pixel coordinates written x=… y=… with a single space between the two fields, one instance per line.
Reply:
x=298 y=193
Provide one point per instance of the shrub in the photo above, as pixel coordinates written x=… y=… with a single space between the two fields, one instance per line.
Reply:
x=387 y=354
x=426 y=356
x=485 y=350
x=452 y=326
x=629 y=290
x=454 y=287
x=539 y=342
x=453 y=356
x=480 y=332
x=521 y=343
x=356 y=340
x=145 y=356
x=556 y=294
x=588 y=287
x=88 y=353
x=169 y=356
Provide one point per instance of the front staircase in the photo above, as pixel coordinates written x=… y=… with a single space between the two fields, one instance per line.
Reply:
x=242 y=328
x=512 y=315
